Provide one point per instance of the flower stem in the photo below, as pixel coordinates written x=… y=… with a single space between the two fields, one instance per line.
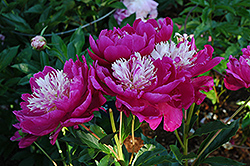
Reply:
x=133 y=139
x=186 y=131
x=45 y=153
x=110 y=148
x=61 y=153
x=218 y=132
x=179 y=139
x=119 y=148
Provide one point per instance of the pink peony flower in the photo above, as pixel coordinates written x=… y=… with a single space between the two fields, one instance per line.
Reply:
x=185 y=55
x=60 y=98
x=143 y=8
x=38 y=43
x=151 y=90
x=237 y=74
x=121 y=43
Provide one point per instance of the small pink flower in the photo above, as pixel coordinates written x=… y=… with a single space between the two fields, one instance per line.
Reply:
x=143 y=8
x=237 y=75
x=60 y=98
x=38 y=43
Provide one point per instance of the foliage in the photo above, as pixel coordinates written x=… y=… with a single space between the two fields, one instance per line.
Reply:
x=226 y=22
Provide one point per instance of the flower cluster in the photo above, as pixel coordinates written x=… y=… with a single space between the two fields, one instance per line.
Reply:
x=238 y=71
x=142 y=8
x=154 y=78
x=60 y=98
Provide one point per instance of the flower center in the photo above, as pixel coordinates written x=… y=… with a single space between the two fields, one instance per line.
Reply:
x=181 y=55
x=53 y=86
x=136 y=73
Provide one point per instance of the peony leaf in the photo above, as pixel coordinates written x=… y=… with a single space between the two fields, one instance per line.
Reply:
x=6 y=56
x=219 y=161
x=210 y=127
x=223 y=137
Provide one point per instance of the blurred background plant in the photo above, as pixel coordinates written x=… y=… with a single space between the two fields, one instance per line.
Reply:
x=223 y=24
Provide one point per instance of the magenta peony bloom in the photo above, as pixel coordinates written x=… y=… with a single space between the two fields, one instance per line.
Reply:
x=143 y=8
x=237 y=74
x=60 y=98
x=119 y=43
x=38 y=43
x=150 y=89
x=185 y=56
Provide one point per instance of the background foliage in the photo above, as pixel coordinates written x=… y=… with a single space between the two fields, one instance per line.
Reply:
x=227 y=22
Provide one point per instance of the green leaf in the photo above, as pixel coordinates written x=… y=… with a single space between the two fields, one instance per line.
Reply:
x=221 y=161
x=176 y=152
x=209 y=127
x=107 y=139
x=127 y=125
x=19 y=23
x=129 y=20
x=12 y=81
x=78 y=40
x=246 y=120
x=59 y=47
x=98 y=130
x=38 y=8
x=223 y=137
x=106 y=161
x=6 y=56
x=226 y=7
x=152 y=152
x=87 y=154
x=71 y=51
x=44 y=59
x=118 y=5
x=112 y=22
x=26 y=68
x=25 y=80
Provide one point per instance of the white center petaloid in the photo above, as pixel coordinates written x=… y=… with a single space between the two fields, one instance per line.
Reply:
x=136 y=73
x=181 y=55
x=52 y=87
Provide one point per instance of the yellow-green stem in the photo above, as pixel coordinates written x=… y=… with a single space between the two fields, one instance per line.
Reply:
x=119 y=148
x=120 y=129
x=60 y=152
x=186 y=131
x=179 y=139
x=218 y=132
x=45 y=153
x=133 y=139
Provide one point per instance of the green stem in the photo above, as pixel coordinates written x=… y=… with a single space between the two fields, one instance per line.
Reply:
x=186 y=131
x=218 y=132
x=179 y=139
x=119 y=148
x=61 y=153
x=45 y=154
x=133 y=138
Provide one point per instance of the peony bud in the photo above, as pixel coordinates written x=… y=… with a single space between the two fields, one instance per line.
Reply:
x=38 y=43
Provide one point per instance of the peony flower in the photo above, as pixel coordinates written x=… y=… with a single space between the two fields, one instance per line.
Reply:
x=151 y=89
x=143 y=8
x=121 y=43
x=60 y=98
x=185 y=55
x=118 y=43
x=237 y=74
x=38 y=43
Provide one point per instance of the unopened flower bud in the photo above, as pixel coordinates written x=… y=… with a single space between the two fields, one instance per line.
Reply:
x=38 y=43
